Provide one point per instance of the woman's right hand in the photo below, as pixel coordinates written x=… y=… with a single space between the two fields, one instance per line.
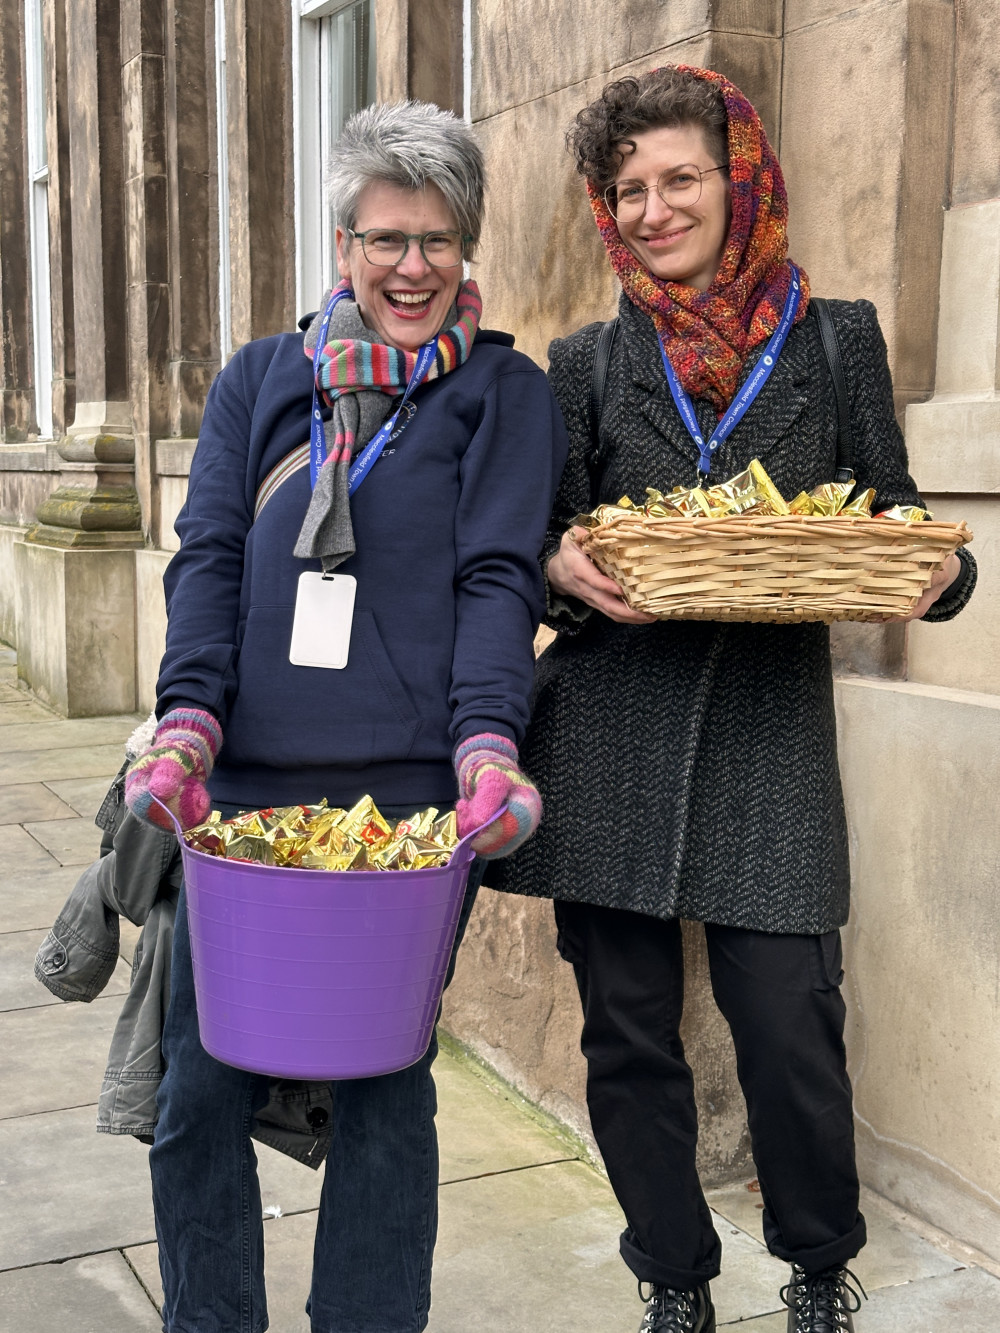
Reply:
x=574 y=574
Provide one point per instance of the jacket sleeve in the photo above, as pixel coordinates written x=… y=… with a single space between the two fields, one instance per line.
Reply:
x=571 y=362
x=879 y=450
x=508 y=478
x=203 y=580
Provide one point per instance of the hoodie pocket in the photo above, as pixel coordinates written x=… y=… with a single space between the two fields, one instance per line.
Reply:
x=289 y=716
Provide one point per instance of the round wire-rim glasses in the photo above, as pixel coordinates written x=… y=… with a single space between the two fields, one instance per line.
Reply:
x=678 y=187
x=385 y=248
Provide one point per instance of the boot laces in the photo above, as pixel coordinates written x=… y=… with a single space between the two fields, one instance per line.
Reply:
x=823 y=1300
x=667 y=1310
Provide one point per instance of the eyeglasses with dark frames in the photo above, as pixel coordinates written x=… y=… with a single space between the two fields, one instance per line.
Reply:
x=386 y=248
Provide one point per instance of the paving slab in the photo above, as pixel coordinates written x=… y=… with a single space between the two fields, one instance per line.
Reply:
x=72 y=842
x=55 y=1057
x=532 y=1250
x=481 y=1129
x=19 y=987
x=78 y=761
x=30 y=899
x=57 y=733
x=19 y=851
x=70 y=1191
x=9 y=692
x=22 y=708
x=83 y=794
x=893 y=1254
x=963 y=1302
x=32 y=801
x=99 y=1294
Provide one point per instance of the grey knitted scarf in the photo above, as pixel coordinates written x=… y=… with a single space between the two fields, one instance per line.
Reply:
x=327 y=533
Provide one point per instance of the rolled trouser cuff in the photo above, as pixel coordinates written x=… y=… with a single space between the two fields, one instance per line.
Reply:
x=648 y=1269
x=834 y=1254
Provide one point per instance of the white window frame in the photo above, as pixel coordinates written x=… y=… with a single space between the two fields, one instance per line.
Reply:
x=38 y=217
x=313 y=137
x=222 y=173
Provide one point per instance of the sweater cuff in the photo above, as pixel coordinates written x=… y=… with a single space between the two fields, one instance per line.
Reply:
x=954 y=598
x=564 y=614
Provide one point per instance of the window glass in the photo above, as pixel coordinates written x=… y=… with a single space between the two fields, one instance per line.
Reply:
x=335 y=77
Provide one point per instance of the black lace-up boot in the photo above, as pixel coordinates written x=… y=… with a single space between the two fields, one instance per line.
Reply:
x=822 y=1302
x=669 y=1311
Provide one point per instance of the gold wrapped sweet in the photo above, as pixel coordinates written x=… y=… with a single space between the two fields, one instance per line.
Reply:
x=906 y=513
x=318 y=837
x=695 y=502
x=861 y=505
x=825 y=501
x=750 y=492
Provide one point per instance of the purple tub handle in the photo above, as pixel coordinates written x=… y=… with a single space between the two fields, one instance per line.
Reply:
x=458 y=846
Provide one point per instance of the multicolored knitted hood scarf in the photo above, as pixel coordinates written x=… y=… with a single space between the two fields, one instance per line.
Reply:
x=708 y=335
x=358 y=377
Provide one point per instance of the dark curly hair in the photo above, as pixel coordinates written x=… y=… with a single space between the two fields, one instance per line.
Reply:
x=663 y=98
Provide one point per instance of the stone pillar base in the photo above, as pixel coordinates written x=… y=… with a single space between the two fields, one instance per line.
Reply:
x=75 y=622
x=73 y=539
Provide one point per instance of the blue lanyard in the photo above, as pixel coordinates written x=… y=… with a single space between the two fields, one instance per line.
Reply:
x=363 y=464
x=736 y=409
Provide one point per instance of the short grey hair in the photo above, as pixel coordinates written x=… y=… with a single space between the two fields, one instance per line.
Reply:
x=409 y=144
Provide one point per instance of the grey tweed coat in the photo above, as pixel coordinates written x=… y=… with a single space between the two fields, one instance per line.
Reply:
x=689 y=768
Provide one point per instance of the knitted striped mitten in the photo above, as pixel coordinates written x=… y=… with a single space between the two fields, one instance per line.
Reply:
x=488 y=779
x=175 y=769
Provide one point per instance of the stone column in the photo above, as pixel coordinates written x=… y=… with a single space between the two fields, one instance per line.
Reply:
x=60 y=223
x=96 y=503
x=75 y=569
x=16 y=390
x=262 y=261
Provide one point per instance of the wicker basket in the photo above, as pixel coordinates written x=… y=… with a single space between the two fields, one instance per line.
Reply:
x=787 y=568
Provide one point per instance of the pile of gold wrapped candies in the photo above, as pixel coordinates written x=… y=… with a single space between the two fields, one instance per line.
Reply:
x=318 y=837
x=752 y=492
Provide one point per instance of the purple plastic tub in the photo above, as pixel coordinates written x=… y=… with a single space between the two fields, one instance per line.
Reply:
x=320 y=974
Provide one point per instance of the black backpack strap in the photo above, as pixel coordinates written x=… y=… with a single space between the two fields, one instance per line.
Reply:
x=599 y=378
x=831 y=346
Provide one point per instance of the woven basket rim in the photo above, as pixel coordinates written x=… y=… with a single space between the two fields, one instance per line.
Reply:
x=787 y=524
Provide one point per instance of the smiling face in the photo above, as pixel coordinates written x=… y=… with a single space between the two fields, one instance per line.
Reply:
x=409 y=303
x=682 y=245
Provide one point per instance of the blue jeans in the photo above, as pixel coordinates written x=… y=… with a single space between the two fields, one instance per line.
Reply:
x=378 y=1208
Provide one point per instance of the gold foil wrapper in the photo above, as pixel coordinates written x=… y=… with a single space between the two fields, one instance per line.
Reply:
x=364 y=823
x=825 y=501
x=861 y=505
x=318 y=837
x=750 y=492
x=906 y=513
x=695 y=502
x=444 y=831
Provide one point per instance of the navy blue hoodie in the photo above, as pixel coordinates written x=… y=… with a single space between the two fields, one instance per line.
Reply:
x=448 y=526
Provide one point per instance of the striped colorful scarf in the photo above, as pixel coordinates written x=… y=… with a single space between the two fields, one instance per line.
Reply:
x=708 y=335
x=358 y=377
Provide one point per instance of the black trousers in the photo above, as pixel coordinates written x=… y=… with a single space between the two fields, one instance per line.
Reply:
x=780 y=995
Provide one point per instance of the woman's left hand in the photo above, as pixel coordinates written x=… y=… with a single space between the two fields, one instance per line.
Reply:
x=939 y=584
x=490 y=780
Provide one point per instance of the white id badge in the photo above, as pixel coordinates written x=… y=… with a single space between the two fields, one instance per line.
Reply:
x=324 y=612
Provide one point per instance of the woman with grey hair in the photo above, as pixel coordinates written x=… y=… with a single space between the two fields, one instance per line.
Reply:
x=415 y=454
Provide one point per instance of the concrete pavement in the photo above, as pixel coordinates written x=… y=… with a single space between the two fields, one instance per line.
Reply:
x=528 y=1240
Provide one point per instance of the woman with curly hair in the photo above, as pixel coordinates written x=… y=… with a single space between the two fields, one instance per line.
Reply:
x=689 y=768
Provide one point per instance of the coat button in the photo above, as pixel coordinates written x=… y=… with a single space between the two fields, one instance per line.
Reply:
x=55 y=962
x=317 y=1117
